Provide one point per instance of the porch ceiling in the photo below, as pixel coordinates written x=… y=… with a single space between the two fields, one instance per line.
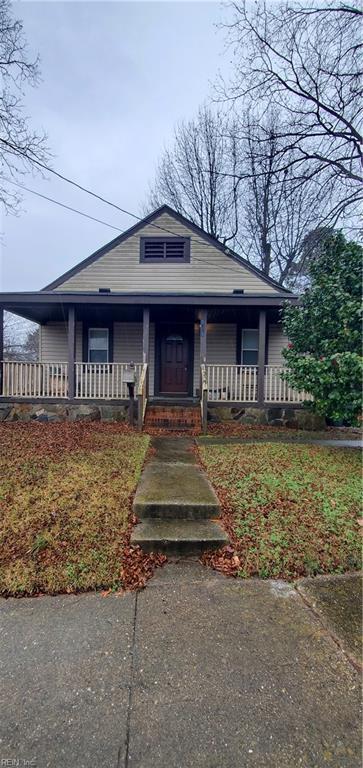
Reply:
x=43 y=306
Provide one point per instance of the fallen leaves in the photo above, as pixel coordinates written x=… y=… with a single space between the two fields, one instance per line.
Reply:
x=66 y=495
x=289 y=510
x=138 y=567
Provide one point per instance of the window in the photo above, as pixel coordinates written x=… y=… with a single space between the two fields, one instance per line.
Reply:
x=158 y=249
x=249 y=352
x=98 y=345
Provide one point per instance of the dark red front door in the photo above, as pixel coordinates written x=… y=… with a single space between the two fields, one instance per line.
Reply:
x=174 y=363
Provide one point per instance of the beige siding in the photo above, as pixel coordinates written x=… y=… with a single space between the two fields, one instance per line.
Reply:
x=127 y=342
x=276 y=342
x=221 y=347
x=54 y=342
x=209 y=269
x=221 y=343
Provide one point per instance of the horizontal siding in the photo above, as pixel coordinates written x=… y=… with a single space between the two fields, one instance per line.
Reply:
x=209 y=269
x=276 y=342
x=221 y=344
x=221 y=347
x=127 y=342
x=54 y=342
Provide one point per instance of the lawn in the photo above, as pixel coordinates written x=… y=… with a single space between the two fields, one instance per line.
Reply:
x=290 y=510
x=65 y=505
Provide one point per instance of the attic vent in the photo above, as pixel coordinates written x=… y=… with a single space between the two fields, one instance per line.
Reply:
x=157 y=249
x=238 y=290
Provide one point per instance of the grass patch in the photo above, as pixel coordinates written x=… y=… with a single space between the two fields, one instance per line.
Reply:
x=65 y=501
x=290 y=510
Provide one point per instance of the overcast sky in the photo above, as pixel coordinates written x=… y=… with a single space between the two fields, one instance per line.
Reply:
x=116 y=77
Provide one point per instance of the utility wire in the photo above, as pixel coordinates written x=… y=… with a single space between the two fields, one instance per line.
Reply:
x=63 y=205
x=113 y=205
x=119 y=208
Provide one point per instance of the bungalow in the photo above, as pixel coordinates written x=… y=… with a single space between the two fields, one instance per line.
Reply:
x=200 y=324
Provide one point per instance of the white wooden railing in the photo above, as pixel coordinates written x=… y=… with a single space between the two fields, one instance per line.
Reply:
x=103 y=381
x=142 y=395
x=277 y=389
x=239 y=383
x=232 y=383
x=33 y=380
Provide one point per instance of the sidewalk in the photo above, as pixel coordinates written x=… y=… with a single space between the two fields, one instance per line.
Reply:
x=196 y=670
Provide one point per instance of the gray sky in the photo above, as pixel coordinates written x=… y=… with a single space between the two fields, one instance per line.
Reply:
x=117 y=76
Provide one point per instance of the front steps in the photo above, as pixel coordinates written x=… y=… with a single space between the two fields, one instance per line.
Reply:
x=178 y=538
x=176 y=504
x=169 y=415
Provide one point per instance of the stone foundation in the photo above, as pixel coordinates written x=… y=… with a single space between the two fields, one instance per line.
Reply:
x=47 y=412
x=275 y=416
x=296 y=418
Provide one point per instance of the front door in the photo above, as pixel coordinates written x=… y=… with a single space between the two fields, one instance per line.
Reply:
x=174 y=370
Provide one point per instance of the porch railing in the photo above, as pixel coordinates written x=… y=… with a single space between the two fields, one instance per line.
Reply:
x=142 y=396
x=103 y=381
x=35 y=380
x=277 y=389
x=239 y=383
x=232 y=383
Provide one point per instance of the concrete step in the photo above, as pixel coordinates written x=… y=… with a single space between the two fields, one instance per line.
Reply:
x=179 y=538
x=177 y=491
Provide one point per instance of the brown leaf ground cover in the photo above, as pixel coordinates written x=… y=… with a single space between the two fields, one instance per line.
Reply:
x=264 y=431
x=65 y=508
x=290 y=510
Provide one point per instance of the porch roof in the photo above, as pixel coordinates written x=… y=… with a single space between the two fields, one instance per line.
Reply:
x=41 y=306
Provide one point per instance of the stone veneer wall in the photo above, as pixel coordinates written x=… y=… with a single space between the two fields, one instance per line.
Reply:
x=63 y=412
x=284 y=416
x=276 y=416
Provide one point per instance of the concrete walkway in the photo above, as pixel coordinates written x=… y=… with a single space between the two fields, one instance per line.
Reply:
x=175 y=502
x=195 y=671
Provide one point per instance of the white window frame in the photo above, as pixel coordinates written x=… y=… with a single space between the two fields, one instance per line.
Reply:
x=256 y=330
x=108 y=344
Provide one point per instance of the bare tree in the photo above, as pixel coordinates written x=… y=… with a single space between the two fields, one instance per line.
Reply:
x=21 y=338
x=275 y=215
x=303 y=59
x=187 y=177
x=20 y=146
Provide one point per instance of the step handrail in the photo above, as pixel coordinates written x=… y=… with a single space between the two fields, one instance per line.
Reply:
x=142 y=396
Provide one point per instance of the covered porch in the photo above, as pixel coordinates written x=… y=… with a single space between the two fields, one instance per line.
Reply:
x=208 y=349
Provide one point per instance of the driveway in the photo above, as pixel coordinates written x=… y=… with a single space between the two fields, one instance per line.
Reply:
x=195 y=670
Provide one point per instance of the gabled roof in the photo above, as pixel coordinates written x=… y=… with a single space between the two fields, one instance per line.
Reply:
x=149 y=220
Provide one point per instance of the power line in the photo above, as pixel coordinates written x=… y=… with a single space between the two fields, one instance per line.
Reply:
x=63 y=205
x=123 y=210
x=108 y=202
